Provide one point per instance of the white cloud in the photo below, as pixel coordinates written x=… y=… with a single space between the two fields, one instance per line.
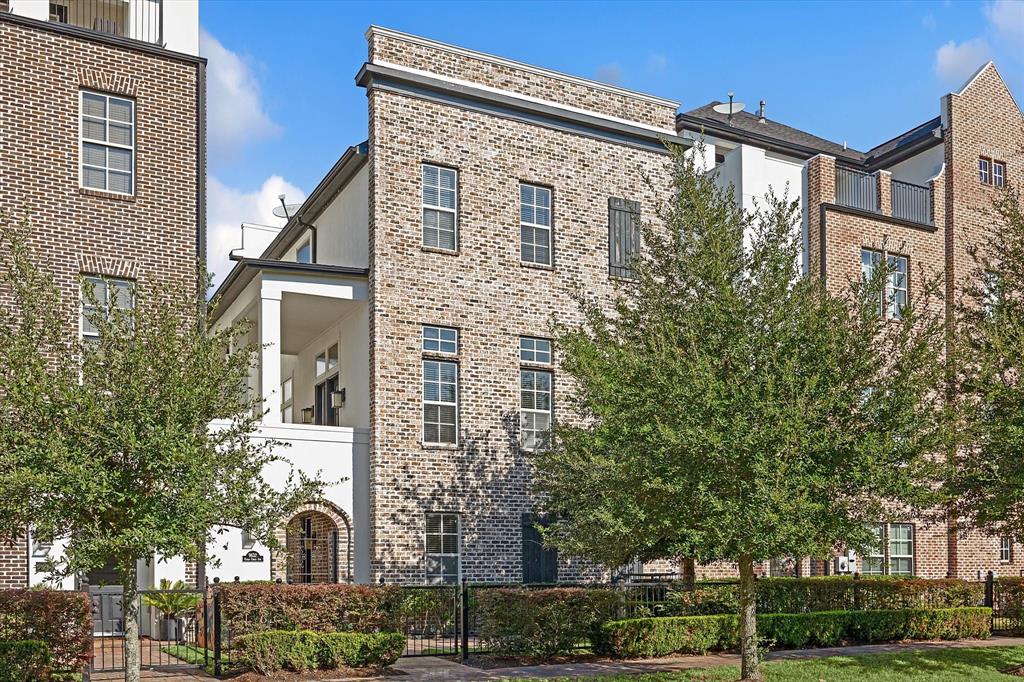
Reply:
x=610 y=73
x=956 y=62
x=228 y=207
x=1007 y=18
x=235 y=113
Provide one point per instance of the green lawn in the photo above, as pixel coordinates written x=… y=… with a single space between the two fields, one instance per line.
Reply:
x=976 y=665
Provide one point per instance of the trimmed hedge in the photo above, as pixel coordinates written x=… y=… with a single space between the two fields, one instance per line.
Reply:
x=62 y=620
x=248 y=608
x=832 y=593
x=304 y=650
x=25 y=660
x=646 y=637
x=541 y=622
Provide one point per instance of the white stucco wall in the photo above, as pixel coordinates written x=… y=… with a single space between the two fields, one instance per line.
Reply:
x=921 y=168
x=342 y=228
x=181 y=25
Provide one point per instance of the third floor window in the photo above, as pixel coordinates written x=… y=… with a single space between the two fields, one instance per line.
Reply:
x=894 y=299
x=107 y=150
x=535 y=224
x=440 y=207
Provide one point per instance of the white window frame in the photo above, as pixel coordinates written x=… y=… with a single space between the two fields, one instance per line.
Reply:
x=106 y=143
x=901 y=557
x=998 y=173
x=534 y=225
x=424 y=207
x=307 y=244
x=533 y=439
x=985 y=170
x=528 y=346
x=1005 y=550
x=898 y=280
x=105 y=304
x=442 y=343
x=439 y=403
x=442 y=554
x=875 y=553
x=288 y=400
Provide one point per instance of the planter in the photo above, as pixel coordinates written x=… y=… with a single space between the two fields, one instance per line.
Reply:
x=169 y=629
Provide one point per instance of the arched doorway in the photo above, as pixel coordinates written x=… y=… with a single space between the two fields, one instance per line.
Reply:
x=317 y=544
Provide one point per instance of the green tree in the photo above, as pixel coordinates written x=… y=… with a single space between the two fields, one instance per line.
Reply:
x=108 y=443
x=730 y=408
x=985 y=483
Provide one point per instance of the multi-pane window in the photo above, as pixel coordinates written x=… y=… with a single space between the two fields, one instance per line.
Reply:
x=985 y=171
x=1005 y=550
x=874 y=561
x=998 y=173
x=327 y=360
x=304 y=254
x=893 y=300
x=440 y=201
x=535 y=224
x=901 y=549
x=440 y=402
x=534 y=408
x=107 y=143
x=287 y=399
x=107 y=295
x=442 y=544
x=440 y=340
x=990 y=291
x=623 y=236
x=535 y=350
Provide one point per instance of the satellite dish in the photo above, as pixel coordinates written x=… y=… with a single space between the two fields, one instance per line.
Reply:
x=280 y=211
x=730 y=108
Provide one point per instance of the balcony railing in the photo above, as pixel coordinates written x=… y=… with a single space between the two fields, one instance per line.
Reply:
x=856 y=189
x=134 y=19
x=911 y=202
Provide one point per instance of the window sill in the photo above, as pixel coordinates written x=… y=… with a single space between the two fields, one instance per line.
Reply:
x=437 y=355
x=537 y=266
x=435 y=249
x=85 y=191
x=439 y=446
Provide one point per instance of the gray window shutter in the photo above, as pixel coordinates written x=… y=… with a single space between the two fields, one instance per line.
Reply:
x=540 y=564
x=623 y=236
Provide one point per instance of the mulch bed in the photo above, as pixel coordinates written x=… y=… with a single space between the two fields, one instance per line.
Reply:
x=284 y=676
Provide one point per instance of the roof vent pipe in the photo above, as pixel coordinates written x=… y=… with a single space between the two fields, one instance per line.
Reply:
x=760 y=112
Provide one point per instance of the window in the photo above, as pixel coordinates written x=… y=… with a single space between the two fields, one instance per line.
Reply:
x=534 y=350
x=440 y=402
x=442 y=543
x=286 y=401
x=623 y=236
x=534 y=408
x=901 y=549
x=440 y=340
x=985 y=171
x=895 y=297
x=874 y=561
x=327 y=360
x=998 y=173
x=107 y=295
x=107 y=143
x=248 y=541
x=439 y=207
x=990 y=291
x=1005 y=550
x=535 y=224
x=326 y=366
x=304 y=254
x=59 y=12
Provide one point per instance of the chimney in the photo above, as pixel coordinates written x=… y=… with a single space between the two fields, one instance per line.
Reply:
x=760 y=112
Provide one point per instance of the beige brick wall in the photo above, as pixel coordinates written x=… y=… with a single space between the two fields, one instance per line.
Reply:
x=150 y=236
x=490 y=297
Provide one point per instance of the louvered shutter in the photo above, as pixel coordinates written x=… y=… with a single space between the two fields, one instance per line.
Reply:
x=623 y=236
x=540 y=564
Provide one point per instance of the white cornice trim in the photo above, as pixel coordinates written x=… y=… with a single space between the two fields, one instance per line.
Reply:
x=526 y=98
x=483 y=56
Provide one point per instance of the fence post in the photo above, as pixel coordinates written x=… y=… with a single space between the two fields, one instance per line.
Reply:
x=456 y=599
x=856 y=591
x=465 y=620
x=206 y=625
x=83 y=585
x=989 y=589
x=216 y=633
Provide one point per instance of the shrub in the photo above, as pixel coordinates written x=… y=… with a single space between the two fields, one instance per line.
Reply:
x=305 y=650
x=248 y=608
x=642 y=637
x=542 y=622
x=24 y=661
x=62 y=620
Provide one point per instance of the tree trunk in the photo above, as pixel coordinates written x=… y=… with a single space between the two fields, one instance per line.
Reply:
x=751 y=661
x=688 y=569
x=130 y=614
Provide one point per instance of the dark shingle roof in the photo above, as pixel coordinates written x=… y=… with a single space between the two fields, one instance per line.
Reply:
x=925 y=130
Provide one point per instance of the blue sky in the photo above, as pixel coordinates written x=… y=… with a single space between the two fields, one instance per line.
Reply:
x=283 y=104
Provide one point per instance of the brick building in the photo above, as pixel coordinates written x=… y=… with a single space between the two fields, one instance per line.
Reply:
x=102 y=119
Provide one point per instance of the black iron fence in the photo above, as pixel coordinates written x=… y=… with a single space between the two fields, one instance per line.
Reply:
x=1006 y=597
x=911 y=202
x=856 y=189
x=135 y=19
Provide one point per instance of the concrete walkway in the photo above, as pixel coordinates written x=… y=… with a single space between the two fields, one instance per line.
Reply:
x=429 y=669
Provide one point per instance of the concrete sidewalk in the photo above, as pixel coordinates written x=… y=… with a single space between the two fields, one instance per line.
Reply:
x=429 y=669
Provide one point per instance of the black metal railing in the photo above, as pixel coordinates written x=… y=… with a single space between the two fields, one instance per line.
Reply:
x=135 y=19
x=856 y=189
x=911 y=202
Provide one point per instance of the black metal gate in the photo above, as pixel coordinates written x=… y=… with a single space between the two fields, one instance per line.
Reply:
x=1006 y=597
x=172 y=628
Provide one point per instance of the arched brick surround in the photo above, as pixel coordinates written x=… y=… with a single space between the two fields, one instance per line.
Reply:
x=325 y=517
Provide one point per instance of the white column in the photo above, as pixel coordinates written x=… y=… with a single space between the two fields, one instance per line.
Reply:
x=270 y=355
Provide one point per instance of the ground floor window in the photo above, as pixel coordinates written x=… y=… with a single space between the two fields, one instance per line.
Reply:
x=891 y=551
x=442 y=543
x=1005 y=550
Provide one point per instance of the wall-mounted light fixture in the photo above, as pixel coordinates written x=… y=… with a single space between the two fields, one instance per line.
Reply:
x=307 y=415
x=338 y=398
